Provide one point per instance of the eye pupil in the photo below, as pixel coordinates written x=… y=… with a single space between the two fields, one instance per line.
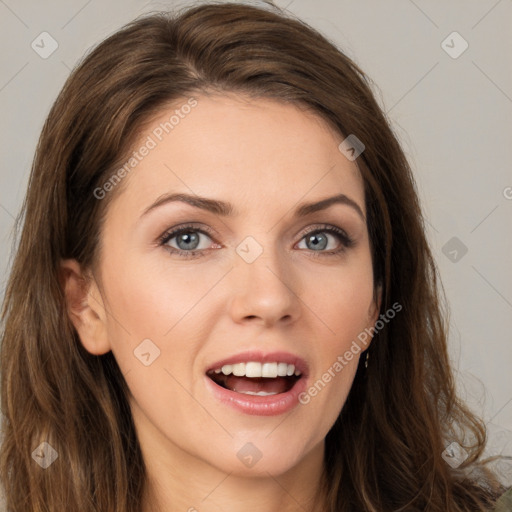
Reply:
x=316 y=244
x=188 y=237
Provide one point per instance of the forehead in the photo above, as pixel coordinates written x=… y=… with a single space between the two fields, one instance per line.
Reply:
x=241 y=147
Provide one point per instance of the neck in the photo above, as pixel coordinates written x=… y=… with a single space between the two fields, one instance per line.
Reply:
x=229 y=493
x=175 y=484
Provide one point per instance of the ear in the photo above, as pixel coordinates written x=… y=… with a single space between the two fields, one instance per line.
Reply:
x=374 y=310
x=85 y=307
x=375 y=307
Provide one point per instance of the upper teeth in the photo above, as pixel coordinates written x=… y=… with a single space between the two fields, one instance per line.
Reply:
x=255 y=369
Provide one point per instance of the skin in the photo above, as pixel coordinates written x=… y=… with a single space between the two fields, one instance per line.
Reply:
x=265 y=158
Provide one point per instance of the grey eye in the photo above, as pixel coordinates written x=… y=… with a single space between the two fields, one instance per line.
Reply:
x=187 y=240
x=316 y=241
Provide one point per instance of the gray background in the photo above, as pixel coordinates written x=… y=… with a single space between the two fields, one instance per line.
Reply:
x=452 y=115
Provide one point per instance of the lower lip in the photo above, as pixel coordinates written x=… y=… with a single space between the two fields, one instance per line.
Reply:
x=271 y=405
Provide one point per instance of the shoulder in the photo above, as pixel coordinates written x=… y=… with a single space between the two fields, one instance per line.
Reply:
x=504 y=504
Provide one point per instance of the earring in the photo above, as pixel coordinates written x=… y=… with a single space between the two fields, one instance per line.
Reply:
x=366 y=360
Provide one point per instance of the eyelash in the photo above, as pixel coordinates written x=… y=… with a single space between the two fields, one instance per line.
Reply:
x=346 y=241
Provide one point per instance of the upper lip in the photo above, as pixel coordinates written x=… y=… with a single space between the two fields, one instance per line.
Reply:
x=263 y=357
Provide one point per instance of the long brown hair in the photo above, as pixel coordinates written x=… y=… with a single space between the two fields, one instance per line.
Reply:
x=384 y=452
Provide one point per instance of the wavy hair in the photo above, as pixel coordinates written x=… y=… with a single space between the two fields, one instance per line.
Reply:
x=384 y=453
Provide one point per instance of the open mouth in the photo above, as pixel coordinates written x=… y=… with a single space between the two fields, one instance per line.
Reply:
x=255 y=378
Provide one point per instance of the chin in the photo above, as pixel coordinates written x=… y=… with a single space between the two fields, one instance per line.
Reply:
x=258 y=454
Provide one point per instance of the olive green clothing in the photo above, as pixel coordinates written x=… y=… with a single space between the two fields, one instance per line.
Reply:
x=504 y=504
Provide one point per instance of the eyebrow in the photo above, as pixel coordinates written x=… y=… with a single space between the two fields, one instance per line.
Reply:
x=227 y=210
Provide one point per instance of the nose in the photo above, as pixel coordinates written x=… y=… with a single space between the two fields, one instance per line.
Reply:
x=264 y=291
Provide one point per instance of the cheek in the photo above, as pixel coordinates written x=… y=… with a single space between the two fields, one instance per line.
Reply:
x=161 y=303
x=342 y=300
x=154 y=337
x=150 y=299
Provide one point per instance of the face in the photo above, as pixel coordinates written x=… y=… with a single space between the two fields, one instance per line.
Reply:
x=232 y=318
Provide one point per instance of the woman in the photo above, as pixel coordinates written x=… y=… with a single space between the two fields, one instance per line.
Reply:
x=223 y=297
